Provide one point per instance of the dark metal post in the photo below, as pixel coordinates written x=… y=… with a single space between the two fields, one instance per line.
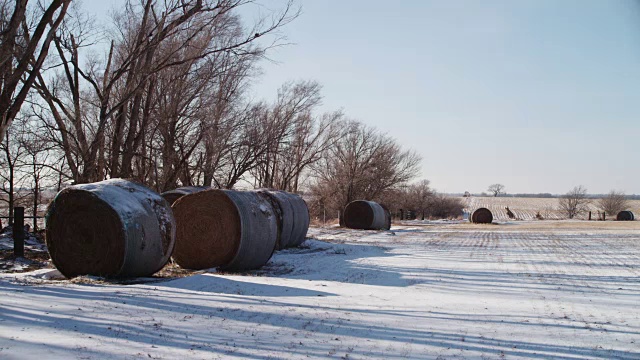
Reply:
x=18 y=231
x=589 y=215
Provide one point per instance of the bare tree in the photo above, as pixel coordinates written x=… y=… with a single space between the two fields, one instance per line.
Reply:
x=40 y=165
x=396 y=199
x=296 y=137
x=25 y=35
x=574 y=202
x=242 y=146
x=442 y=206
x=420 y=199
x=613 y=203
x=143 y=110
x=420 y=196
x=12 y=179
x=363 y=164
x=496 y=189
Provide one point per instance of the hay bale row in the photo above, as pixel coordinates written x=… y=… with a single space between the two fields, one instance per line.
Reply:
x=625 y=216
x=113 y=228
x=117 y=228
x=481 y=216
x=367 y=215
x=289 y=211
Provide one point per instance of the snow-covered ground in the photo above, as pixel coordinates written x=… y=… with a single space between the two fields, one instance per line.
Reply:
x=527 y=208
x=422 y=290
x=37 y=250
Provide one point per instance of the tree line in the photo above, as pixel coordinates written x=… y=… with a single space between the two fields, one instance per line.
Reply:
x=161 y=96
x=577 y=202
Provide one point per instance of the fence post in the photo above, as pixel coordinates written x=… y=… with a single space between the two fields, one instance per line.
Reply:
x=18 y=231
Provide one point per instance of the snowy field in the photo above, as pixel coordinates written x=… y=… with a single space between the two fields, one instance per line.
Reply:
x=527 y=208
x=561 y=290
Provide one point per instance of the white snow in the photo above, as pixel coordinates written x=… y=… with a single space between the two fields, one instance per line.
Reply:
x=31 y=245
x=128 y=198
x=433 y=290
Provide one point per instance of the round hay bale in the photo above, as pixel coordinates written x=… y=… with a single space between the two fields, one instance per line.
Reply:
x=625 y=215
x=233 y=230
x=172 y=195
x=366 y=215
x=481 y=216
x=113 y=228
x=292 y=217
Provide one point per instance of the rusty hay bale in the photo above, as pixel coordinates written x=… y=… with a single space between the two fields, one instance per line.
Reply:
x=113 y=228
x=175 y=194
x=481 y=216
x=366 y=215
x=292 y=217
x=232 y=230
x=625 y=215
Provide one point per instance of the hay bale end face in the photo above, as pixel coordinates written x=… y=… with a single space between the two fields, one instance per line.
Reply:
x=625 y=215
x=113 y=228
x=233 y=230
x=481 y=216
x=366 y=215
x=173 y=195
x=292 y=215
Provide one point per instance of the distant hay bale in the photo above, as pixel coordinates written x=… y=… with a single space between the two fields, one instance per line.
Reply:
x=175 y=194
x=625 y=216
x=113 y=228
x=481 y=216
x=292 y=217
x=366 y=215
x=233 y=230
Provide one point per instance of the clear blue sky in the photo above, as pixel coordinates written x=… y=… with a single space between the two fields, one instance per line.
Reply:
x=537 y=95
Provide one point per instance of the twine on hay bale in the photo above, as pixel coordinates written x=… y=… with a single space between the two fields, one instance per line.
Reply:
x=173 y=195
x=113 y=228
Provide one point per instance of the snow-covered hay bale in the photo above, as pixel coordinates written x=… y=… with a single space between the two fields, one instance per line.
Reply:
x=175 y=194
x=113 y=228
x=366 y=215
x=625 y=216
x=481 y=216
x=233 y=230
x=292 y=217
